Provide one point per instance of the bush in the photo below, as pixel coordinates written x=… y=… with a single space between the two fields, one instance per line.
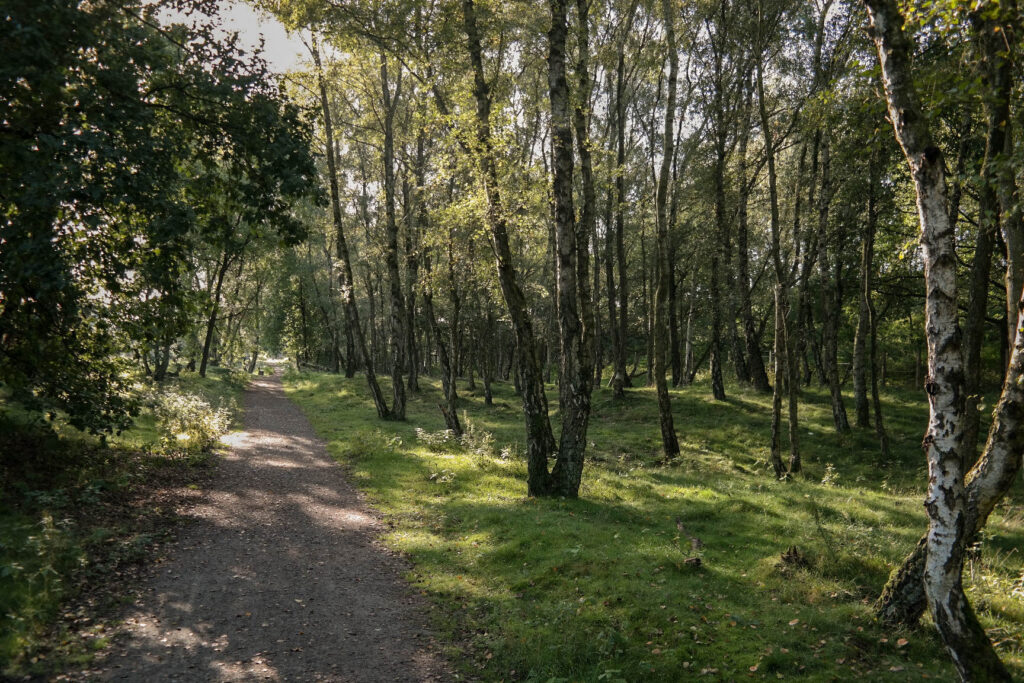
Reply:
x=443 y=441
x=187 y=423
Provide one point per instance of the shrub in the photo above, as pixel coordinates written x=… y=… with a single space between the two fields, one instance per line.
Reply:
x=473 y=440
x=476 y=440
x=437 y=442
x=187 y=423
x=831 y=477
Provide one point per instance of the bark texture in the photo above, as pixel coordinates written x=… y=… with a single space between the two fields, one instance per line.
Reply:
x=963 y=636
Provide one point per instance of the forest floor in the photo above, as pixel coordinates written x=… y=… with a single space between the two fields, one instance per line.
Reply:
x=277 y=576
x=599 y=589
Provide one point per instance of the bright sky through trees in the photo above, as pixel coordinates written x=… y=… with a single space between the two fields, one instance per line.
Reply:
x=282 y=51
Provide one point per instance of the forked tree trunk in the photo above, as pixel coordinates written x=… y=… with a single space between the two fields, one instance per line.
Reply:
x=575 y=362
x=964 y=638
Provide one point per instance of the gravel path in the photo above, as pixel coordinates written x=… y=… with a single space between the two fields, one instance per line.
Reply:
x=279 y=577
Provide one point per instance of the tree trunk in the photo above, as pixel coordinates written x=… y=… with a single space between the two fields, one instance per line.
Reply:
x=782 y=320
x=717 y=383
x=775 y=447
x=449 y=409
x=347 y=281
x=389 y=101
x=964 y=638
x=998 y=80
x=688 y=367
x=540 y=442
x=489 y=356
x=830 y=298
x=575 y=363
x=412 y=246
x=211 y=320
x=868 y=315
x=620 y=376
x=751 y=339
x=670 y=444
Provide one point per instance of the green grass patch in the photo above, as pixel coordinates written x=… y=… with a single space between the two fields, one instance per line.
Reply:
x=76 y=512
x=598 y=589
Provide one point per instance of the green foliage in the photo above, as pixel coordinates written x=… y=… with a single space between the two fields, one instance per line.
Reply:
x=126 y=147
x=599 y=588
x=187 y=422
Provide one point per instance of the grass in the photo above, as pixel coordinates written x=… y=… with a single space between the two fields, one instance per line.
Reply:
x=79 y=513
x=598 y=589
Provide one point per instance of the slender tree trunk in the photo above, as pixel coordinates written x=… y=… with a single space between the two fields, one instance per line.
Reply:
x=755 y=363
x=739 y=361
x=717 y=383
x=782 y=320
x=688 y=367
x=775 y=449
x=411 y=276
x=540 y=442
x=609 y=270
x=649 y=301
x=347 y=281
x=389 y=102
x=670 y=444
x=620 y=376
x=831 y=304
x=876 y=402
x=860 y=341
x=575 y=363
x=675 y=359
x=449 y=409
x=964 y=638
x=211 y=320
x=490 y=357
x=997 y=112
x=867 y=322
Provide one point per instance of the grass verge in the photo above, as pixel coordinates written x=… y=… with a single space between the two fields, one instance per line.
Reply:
x=78 y=515
x=601 y=589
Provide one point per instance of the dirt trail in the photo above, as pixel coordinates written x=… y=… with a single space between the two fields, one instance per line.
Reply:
x=278 y=577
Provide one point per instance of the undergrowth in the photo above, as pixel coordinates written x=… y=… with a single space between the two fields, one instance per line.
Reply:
x=607 y=587
x=77 y=513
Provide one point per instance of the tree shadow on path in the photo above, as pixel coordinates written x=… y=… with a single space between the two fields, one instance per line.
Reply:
x=279 y=576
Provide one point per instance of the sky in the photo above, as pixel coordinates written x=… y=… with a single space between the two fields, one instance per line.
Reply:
x=282 y=52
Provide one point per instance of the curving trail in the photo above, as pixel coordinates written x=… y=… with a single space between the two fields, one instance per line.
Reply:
x=278 y=578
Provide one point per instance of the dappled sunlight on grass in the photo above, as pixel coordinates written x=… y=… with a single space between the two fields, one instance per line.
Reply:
x=600 y=588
